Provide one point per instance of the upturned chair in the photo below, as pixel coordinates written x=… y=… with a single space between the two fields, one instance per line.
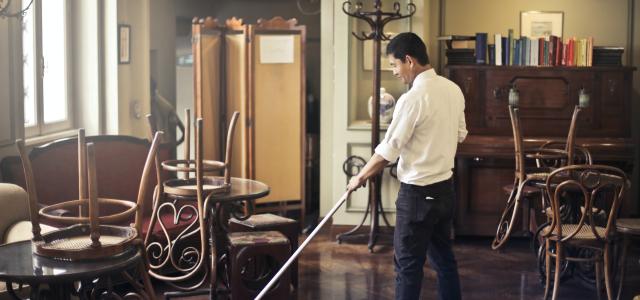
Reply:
x=87 y=236
x=185 y=200
x=528 y=180
x=599 y=189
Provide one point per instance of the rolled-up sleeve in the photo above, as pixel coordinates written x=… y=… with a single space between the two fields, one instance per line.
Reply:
x=401 y=129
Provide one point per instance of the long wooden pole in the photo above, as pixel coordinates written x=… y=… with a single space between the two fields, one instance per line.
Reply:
x=304 y=244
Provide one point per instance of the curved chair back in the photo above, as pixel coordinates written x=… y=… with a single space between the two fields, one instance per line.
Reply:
x=594 y=192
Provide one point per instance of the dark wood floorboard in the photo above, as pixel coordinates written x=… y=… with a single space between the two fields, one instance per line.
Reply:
x=349 y=271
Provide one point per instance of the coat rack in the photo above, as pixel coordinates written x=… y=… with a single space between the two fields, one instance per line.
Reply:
x=376 y=19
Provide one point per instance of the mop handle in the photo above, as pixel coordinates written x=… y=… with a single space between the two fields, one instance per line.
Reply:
x=304 y=244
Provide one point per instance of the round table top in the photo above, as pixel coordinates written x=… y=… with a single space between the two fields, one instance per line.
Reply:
x=242 y=189
x=630 y=226
x=19 y=264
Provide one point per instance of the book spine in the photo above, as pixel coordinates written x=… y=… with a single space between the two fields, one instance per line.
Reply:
x=511 y=46
x=558 y=49
x=505 y=51
x=492 y=54
x=498 y=49
x=590 y=51
x=516 y=53
x=541 y=51
x=534 y=52
x=481 y=48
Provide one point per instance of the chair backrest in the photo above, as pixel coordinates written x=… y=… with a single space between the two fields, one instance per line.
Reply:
x=119 y=161
x=594 y=191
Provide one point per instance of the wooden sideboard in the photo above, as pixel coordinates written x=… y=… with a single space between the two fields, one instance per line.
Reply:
x=547 y=95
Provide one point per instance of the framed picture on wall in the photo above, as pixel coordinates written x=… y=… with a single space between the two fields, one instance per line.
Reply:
x=124 y=44
x=537 y=24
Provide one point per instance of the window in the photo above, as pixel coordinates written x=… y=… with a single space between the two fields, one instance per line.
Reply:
x=47 y=105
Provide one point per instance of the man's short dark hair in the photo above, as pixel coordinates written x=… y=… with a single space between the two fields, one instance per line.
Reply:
x=408 y=43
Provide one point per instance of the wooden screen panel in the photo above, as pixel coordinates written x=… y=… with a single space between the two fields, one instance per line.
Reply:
x=237 y=99
x=278 y=123
x=206 y=49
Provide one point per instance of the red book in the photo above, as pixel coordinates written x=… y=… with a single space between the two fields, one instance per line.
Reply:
x=541 y=51
x=558 y=52
x=572 y=52
x=564 y=54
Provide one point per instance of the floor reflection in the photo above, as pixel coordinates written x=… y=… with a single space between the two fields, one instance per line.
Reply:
x=347 y=271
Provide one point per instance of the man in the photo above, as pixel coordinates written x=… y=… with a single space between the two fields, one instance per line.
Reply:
x=428 y=123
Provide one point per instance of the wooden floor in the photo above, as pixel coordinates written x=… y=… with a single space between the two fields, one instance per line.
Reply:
x=348 y=271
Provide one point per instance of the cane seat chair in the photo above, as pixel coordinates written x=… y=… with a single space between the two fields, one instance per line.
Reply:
x=88 y=235
x=529 y=180
x=597 y=188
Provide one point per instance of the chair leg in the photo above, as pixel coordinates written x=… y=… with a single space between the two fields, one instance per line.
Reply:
x=556 y=280
x=625 y=247
x=547 y=259
x=146 y=280
x=607 y=275
x=598 y=279
x=148 y=287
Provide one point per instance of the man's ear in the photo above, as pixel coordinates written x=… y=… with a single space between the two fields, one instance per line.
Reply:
x=410 y=60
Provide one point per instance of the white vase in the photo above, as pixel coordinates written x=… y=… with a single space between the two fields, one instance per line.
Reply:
x=387 y=104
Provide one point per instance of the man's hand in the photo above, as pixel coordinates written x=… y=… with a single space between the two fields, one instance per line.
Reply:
x=356 y=182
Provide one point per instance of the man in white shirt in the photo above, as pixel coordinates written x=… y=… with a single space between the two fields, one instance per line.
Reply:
x=428 y=123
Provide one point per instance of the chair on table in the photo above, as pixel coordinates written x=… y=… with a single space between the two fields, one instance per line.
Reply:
x=87 y=236
x=597 y=188
x=175 y=197
x=55 y=172
x=528 y=181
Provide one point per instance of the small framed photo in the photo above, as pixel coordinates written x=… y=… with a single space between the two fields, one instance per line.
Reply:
x=124 y=44
x=537 y=24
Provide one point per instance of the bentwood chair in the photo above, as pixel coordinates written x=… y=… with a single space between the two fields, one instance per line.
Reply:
x=527 y=180
x=88 y=236
x=174 y=258
x=599 y=189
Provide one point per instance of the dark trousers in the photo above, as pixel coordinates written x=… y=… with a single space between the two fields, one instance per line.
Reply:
x=423 y=226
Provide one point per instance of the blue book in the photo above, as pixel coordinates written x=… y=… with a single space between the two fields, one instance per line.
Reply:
x=516 y=53
x=481 y=48
x=505 y=51
x=492 y=54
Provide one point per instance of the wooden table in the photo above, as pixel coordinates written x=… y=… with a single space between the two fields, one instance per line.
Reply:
x=55 y=279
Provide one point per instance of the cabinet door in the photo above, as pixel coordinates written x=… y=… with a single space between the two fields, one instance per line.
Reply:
x=481 y=198
x=471 y=84
x=613 y=105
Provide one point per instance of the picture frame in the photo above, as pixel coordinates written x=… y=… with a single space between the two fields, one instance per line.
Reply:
x=124 y=44
x=541 y=24
x=367 y=56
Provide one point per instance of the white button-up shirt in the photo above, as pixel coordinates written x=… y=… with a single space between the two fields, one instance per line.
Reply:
x=428 y=123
